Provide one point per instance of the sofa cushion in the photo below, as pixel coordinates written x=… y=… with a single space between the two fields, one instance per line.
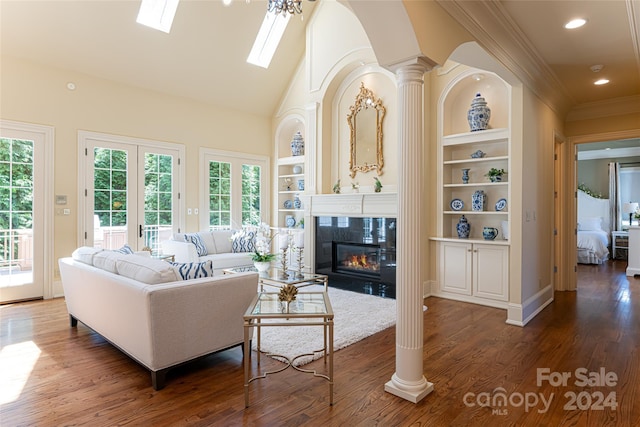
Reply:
x=197 y=240
x=85 y=254
x=146 y=270
x=229 y=260
x=222 y=240
x=106 y=260
x=244 y=241
x=193 y=270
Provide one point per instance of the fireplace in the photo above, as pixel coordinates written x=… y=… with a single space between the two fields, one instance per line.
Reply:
x=358 y=254
x=359 y=259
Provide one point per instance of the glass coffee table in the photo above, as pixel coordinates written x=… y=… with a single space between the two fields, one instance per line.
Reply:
x=308 y=309
x=277 y=278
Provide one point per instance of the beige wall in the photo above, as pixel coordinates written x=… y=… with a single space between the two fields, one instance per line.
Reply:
x=35 y=94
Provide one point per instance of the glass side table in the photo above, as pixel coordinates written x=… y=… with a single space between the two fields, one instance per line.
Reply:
x=308 y=309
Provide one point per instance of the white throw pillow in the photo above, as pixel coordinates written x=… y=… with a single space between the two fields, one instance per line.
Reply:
x=590 y=224
x=146 y=270
x=85 y=254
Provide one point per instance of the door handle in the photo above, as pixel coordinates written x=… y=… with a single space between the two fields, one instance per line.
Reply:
x=140 y=230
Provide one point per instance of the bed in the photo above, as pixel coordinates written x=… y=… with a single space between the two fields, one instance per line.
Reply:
x=594 y=229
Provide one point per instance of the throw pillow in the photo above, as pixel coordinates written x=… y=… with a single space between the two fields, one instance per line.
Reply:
x=193 y=270
x=196 y=240
x=590 y=224
x=126 y=249
x=244 y=241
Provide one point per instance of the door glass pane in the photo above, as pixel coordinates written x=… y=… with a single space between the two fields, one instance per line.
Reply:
x=110 y=198
x=219 y=195
x=16 y=212
x=250 y=195
x=158 y=201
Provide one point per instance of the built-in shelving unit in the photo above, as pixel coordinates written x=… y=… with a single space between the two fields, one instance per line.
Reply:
x=473 y=269
x=290 y=188
x=457 y=150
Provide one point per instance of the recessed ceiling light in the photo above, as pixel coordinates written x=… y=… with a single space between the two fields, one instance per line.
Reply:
x=575 y=23
x=601 y=82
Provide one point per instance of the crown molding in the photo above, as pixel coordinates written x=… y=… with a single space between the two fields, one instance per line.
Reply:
x=606 y=108
x=509 y=45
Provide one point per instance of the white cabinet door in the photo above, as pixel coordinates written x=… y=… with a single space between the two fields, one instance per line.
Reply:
x=491 y=272
x=455 y=267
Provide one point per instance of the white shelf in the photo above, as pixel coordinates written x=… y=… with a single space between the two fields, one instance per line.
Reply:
x=489 y=135
x=475 y=212
x=292 y=175
x=477 y=184
x=472 y=160
x=292 y=160
x=498 y=241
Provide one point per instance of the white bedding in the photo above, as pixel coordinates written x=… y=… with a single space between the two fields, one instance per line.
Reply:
x=596 y=242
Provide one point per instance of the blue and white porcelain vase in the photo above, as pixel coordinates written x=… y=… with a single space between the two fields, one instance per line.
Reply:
x=465 y=176
x=478 y=200
x=297 y=145
x=297 y=203
x=479 y=114
x=301 y=185
x=463 y=228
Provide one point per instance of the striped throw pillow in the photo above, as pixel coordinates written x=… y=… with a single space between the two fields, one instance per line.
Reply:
x=193 y=270
x=196 y=240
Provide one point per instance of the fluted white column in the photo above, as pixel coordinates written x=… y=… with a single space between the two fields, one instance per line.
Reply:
x=408 y=381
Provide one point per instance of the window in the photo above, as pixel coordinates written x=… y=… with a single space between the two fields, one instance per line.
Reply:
x=129 y=191
x=251 y=195
x=235 y=193
x=219 y=195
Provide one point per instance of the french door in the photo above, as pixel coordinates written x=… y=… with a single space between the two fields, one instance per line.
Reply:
x=26 y=177
x=131 y=191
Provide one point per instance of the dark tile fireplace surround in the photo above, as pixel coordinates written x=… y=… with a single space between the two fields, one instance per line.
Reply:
x=358 y=254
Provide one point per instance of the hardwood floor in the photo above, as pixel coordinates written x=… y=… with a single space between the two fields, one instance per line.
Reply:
x=470 y=354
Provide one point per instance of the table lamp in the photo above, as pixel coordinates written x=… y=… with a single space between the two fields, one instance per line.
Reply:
x=629 y=208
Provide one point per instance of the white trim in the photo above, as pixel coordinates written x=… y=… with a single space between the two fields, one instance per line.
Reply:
x=521 y=314
x=48 y=137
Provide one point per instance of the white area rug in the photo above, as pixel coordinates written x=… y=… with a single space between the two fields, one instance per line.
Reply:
x=356 y=316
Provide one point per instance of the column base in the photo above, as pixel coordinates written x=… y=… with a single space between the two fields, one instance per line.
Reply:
x=413 y=394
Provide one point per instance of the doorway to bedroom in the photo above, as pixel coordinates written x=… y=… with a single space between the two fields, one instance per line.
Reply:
x=608 y=186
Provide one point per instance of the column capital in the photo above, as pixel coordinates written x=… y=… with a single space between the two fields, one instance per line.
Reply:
x=412 y=68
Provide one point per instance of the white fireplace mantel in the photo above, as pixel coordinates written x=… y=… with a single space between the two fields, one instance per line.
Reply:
x=378 y=205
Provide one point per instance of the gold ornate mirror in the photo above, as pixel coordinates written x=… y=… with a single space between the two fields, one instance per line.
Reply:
x=365 y=123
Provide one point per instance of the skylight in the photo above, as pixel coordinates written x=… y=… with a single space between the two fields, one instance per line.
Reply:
x=157 y=14
x=268 y=39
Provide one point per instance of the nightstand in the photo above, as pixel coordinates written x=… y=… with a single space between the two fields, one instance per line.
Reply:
x=620 y=242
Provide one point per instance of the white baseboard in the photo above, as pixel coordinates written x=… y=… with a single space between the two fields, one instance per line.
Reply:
x=521 y=314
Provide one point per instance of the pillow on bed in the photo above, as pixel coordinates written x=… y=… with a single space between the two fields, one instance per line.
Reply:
x=590 y=224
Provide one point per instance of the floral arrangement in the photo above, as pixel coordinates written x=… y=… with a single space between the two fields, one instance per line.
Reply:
x=584 y=188
x=264 y=237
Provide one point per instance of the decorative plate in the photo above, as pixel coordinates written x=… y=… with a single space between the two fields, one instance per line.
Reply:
x=501 y=204
x=291 y=221
x=288 y=204
x=457 y=204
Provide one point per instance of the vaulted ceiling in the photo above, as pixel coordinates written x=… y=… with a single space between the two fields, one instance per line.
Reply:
x=204 y=56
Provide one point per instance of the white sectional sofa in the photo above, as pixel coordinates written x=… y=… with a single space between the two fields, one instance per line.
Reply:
x=216 y=246
x=141 y=306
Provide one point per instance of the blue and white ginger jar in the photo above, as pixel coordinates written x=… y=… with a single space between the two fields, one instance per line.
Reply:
x=297 y=145
x=463 y=228
x=479 y=114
